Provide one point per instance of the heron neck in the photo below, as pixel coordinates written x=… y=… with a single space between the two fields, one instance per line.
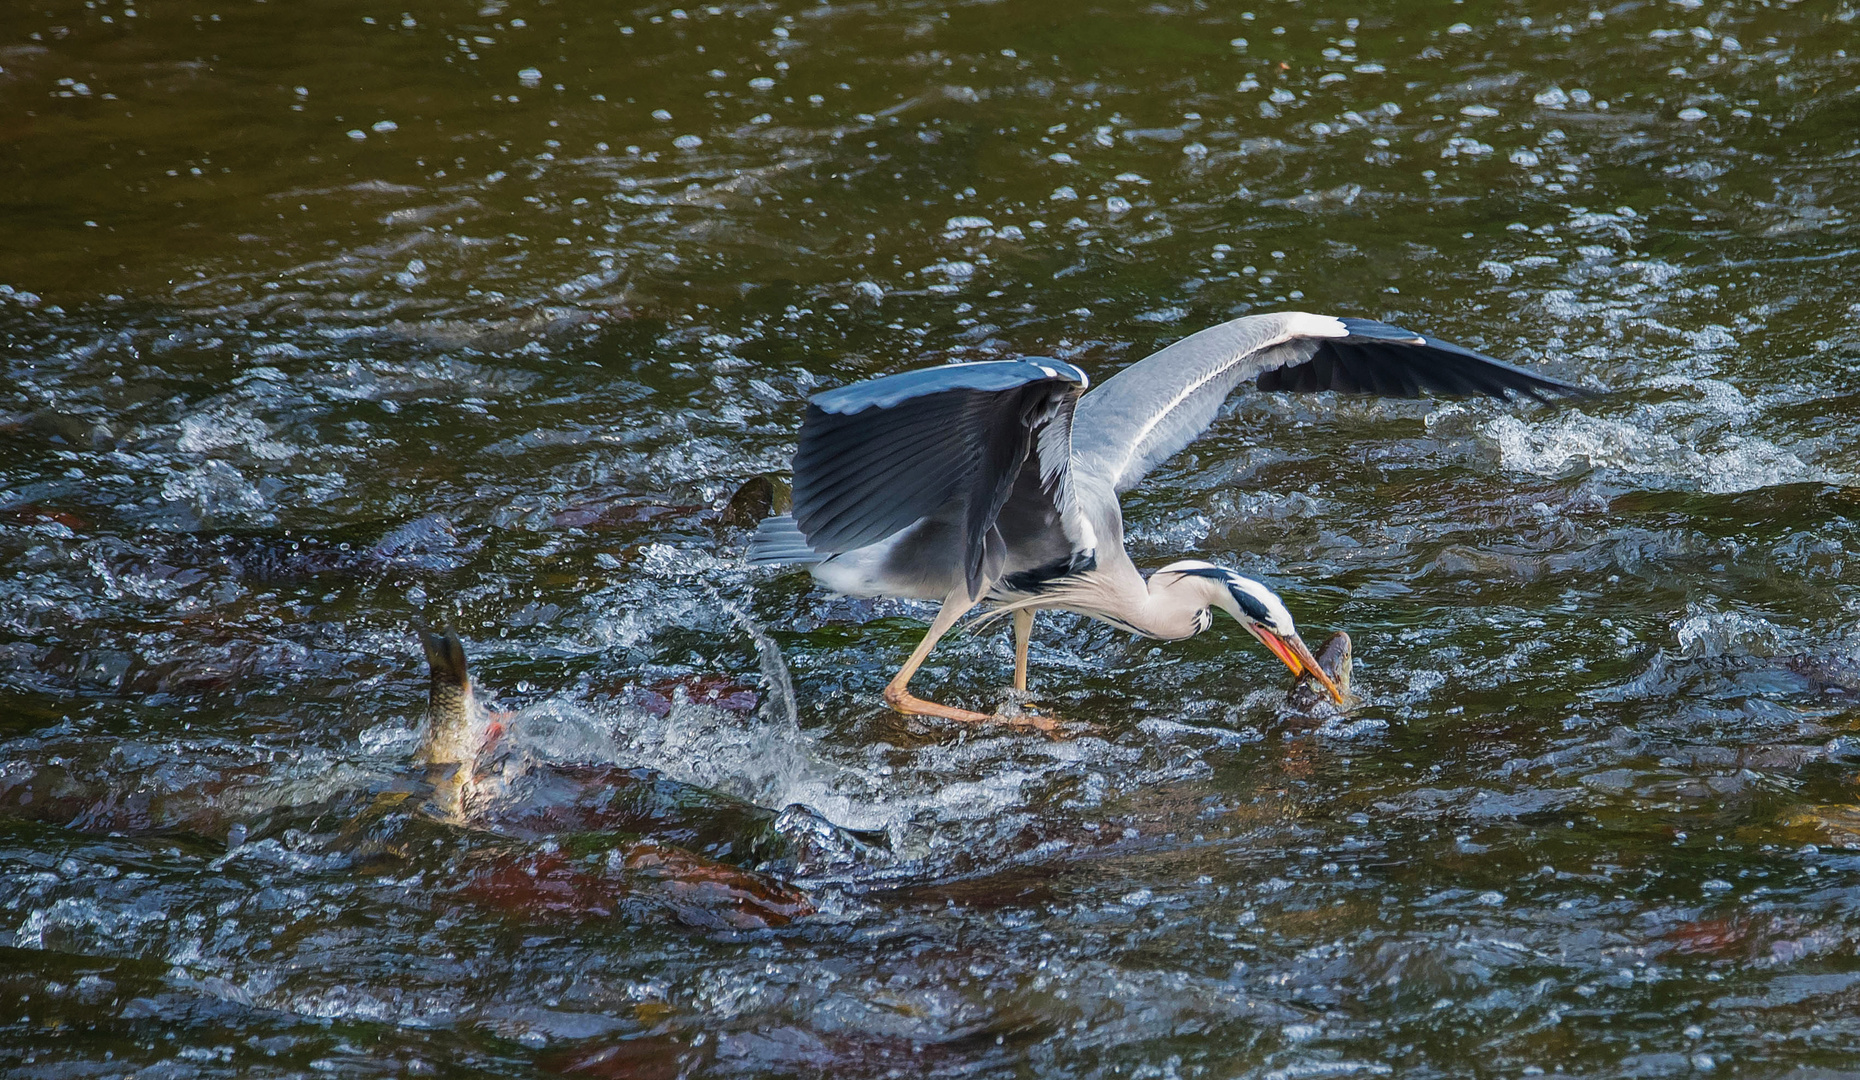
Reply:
x=1115 y=593
x=1172 y=608
x=1166 y=609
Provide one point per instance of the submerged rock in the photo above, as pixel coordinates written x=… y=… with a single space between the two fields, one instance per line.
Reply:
x=1831 y=672
x=633 y=879
x=757 y=498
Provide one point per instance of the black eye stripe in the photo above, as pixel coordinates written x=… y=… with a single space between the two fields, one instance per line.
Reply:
x=1256 y=610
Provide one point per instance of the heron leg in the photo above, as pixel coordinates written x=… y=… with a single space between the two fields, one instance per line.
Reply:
x=899 y=697
x=1023 y=637
x=1016 y=711
x=897 y=694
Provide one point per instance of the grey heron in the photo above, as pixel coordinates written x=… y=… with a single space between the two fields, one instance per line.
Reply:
x=999 y=481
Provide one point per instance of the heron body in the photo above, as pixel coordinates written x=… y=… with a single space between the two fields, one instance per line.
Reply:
x=999 y=481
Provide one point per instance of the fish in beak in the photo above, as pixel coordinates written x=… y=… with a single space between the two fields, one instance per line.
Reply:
x=1292 y=651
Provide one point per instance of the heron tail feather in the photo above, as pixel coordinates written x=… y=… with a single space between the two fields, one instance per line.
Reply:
x=778 y=541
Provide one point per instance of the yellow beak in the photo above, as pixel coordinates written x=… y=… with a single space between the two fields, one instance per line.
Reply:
x=1293 y=652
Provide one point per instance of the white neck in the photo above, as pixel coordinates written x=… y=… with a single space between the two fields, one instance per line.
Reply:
x=1167 y=607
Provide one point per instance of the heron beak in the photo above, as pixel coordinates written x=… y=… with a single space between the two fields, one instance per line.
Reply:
x=1296 y=656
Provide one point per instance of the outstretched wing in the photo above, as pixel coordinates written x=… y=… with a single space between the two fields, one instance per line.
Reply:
x=877 y=456
x=1144 y=414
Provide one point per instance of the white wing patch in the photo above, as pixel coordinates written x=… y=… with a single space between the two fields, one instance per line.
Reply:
x=1069 y=372
x=1305 y=324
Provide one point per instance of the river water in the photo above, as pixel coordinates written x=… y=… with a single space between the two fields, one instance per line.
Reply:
x=317 y=318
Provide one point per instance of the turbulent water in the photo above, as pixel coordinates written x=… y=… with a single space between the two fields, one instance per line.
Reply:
x=316 y=318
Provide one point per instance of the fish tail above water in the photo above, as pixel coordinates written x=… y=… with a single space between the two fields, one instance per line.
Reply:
x=457 y=725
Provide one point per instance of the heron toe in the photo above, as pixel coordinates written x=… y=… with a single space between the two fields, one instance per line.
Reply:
x=1020 y=717
x=1020 y=696
x=1017 y=708
x=911 y=705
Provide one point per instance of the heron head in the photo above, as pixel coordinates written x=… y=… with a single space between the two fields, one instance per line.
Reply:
x=1260 y=611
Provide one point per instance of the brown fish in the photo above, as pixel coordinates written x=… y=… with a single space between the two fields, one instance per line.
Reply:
x=459 y=732
x=1307 y=695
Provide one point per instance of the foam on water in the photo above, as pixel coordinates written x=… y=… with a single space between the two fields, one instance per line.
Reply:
x=767 y=761
x=1677 y=443
x=226 y=428
x=217 y=493
x=1707 y=634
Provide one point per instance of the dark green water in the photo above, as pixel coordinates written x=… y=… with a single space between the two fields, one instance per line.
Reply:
x=316 y=317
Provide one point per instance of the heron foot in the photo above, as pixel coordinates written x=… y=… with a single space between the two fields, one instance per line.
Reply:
x=1016 y=716
x=1017 y=709
x=911 y=705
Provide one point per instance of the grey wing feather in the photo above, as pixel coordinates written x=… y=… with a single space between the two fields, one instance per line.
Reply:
x=1043 y=522
x=1055 y=454
x=877 y=456
x=993 y=375
x=1148 y=412
x=1046 y=530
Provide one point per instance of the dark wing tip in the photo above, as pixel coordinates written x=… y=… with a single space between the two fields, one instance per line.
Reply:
x=445 y=654
x=1379 y=358
x=1573 y=391
x=1510 y=377
x=1370 y=329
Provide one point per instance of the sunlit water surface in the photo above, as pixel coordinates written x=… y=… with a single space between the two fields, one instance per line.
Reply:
x=317 y=317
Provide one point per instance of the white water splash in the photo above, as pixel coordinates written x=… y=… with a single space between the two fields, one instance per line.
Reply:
x=1705 y=634
x=1700 y=438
